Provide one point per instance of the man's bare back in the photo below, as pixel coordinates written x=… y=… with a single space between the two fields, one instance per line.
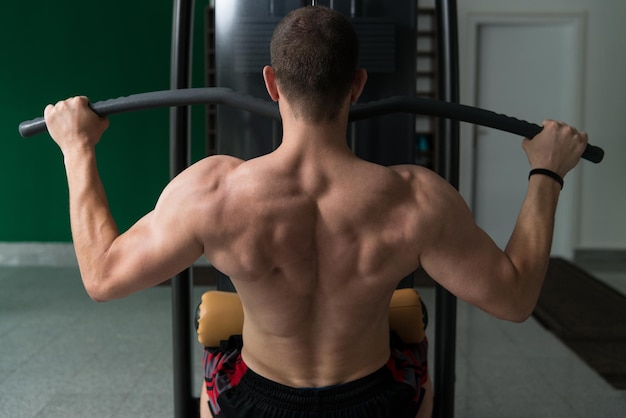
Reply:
x=312 y=242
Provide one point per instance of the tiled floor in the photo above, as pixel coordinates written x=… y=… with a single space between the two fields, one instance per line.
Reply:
x=62 y=355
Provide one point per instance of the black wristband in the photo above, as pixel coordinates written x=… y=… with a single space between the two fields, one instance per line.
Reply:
x=548 y=173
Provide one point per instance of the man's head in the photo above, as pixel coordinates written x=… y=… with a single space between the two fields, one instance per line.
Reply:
x=315 y=56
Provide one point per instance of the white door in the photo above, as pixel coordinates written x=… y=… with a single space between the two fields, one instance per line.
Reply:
x=527 y=67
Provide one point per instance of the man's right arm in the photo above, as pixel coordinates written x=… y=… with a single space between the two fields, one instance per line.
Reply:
x=466 y=261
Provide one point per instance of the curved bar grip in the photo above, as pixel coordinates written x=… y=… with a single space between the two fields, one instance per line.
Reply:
x=462 y=113
x=396 y=104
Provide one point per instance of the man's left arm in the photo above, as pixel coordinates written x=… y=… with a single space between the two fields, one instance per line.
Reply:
x=113 y=265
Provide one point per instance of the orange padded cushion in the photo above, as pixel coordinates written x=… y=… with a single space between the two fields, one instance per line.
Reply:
x=221 y=315
x=405 y=315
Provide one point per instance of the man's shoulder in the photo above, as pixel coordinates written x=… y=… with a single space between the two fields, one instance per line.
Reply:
x=415 y=173
x=428 y=187
x=223 y=162
x=203 y=177
x=213 y=167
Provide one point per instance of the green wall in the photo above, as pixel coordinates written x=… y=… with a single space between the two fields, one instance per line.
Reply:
x=101 y=49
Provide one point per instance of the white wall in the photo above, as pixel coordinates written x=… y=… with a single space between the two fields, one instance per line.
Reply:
x=499 y=166
x=602 y=210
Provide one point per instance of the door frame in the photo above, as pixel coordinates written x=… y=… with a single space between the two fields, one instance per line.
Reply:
x=570 y=198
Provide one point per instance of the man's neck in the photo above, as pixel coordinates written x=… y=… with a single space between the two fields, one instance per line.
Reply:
x=307 y=136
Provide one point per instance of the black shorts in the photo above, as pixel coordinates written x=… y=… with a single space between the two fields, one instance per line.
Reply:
x=393 y=391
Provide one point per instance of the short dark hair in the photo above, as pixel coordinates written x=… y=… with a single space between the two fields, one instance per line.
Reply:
x=315 y=55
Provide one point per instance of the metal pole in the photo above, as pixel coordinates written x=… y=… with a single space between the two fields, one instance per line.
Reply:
x=182 y=29
x=448 y=167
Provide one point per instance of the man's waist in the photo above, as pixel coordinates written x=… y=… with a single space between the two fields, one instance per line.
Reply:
x=314 y=367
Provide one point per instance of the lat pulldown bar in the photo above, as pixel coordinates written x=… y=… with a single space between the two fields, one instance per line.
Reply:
x=396 y=104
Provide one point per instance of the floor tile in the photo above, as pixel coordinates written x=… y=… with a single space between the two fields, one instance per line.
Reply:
x=82 y=405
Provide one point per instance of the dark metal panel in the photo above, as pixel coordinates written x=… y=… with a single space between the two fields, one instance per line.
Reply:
x=387 y=31
x=243 y=29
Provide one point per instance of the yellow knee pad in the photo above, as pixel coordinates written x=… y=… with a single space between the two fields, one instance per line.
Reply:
x=219 y=315
x=407 y=316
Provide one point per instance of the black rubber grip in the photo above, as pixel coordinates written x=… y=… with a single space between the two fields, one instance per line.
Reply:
x=462 y=113
x=396 y=104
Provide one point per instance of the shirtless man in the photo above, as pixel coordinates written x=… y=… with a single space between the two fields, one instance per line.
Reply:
x=314 y=239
